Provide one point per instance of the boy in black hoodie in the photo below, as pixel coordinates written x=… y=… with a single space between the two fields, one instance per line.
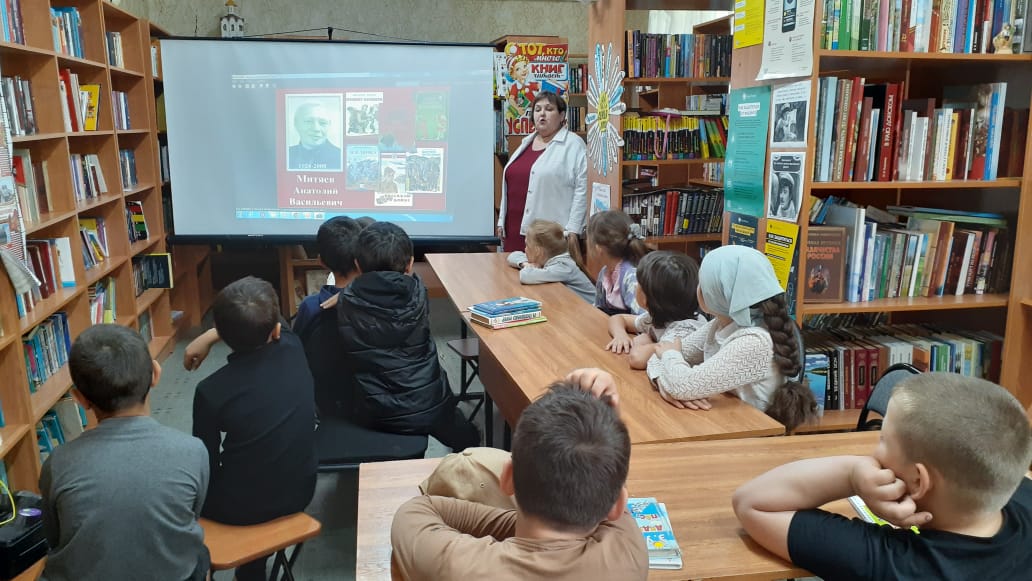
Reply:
x=383 y=320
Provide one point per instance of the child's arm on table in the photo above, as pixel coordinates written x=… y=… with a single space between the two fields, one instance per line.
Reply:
x=619 y=328
x=766 y=504
x=517 y=259
x=642 y=348
x=741 y=361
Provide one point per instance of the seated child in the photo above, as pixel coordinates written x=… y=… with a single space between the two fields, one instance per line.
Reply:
x=749 y=348
x=619 y=245
x=570 y=457
x=548 y=260
x=951 y=459
x=121 y=501
x=667 y=290
x=256 y=415
x=316 y=327
x=384 y=323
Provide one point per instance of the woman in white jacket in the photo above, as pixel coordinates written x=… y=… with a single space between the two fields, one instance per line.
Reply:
x=546 y=177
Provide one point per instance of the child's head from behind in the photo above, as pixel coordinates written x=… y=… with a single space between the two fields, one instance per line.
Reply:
x=246 y=313
x=384 y=247
x=570 y=456
x=614 y=234
x=668 y=281
x=971 y=432
x=112 y=367
x=545 y=240
x=336 y=243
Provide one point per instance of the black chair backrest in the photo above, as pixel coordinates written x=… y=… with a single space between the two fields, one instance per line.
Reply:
x=878 y=401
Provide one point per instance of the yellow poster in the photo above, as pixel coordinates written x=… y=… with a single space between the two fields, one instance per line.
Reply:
x=780 y=248
x=748 y=23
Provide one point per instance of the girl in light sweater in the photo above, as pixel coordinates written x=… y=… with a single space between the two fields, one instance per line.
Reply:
x=749 y=348
x=549 y=259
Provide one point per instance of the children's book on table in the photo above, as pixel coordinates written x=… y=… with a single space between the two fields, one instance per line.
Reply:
x=507 y=306
x=504 y=313
x=654 y=522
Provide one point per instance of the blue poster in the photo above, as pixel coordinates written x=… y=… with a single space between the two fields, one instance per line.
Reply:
x=746 y=150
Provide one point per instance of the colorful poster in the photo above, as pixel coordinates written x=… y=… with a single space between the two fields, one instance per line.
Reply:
x=742 y=231
x=780 y=249
x=530 y=68
x=746 y=150
x=787 y=40
x=748 y=23
x=600 y=198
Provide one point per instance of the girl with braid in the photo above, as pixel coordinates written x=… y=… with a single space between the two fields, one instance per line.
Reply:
x=749 y=347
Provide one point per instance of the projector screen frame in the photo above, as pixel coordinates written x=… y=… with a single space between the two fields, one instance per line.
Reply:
x=443 y=242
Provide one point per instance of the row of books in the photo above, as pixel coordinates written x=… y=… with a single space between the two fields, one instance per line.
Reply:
x=655 y=137
x=678 y=55
x=504 y=313
x=501 y=145
x=66 y=28
x=93 y=232
x=120 y=102
x=713 y=172
x=18 y=101
x=152 y=271
x=868 y=132
x=65 y=422
x=80 y=102
x=946 y=26
x=102 y=301
x=163 y=162
x=575 y=118
x=127 y=163
x=46 y=349
x=87 y=176
x=11 y=20
x=116 y=56
x=51 y=262
x=155 y=55
x=578 y=78
x=843 y=365
x=32 y=183
x=136 y=221
x=676 y=211
x=705 y=104
x=905 y=252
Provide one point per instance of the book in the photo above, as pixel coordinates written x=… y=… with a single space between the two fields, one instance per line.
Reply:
x=654 y=523
x=92 y=93
x=865 y=513
x=826 y=263
x=509 y=305
x=490 y=321
x=538 y=319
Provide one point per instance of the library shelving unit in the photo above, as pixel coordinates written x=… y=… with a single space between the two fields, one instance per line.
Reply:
x=924 y=75
x=606 y=24
x=192 y=294
x=38 y=61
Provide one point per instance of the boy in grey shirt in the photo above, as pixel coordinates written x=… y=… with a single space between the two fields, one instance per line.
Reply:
x=121 y=501
x=548 y=260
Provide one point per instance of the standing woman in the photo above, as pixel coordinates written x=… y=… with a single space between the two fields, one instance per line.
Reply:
x=546 y=177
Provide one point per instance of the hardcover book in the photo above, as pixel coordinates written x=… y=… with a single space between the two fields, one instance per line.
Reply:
x=825 y=264
x=509 y=305
x=654 y=522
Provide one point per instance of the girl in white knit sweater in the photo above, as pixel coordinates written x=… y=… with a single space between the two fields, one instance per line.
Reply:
x=749 y=347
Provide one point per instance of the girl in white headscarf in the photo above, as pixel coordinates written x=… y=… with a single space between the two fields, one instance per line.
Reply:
x=749 y=347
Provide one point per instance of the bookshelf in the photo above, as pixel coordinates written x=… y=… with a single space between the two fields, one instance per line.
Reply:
x=39 y=62
x=924 y=75
x=193 y=293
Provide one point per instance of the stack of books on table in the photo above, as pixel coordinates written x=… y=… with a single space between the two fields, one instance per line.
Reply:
x=510 y=312
x=654 y=522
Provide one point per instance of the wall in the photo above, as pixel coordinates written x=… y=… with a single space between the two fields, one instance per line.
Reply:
x=432 y=20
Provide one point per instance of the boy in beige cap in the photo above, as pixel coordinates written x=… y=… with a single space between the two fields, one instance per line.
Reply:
x=570 y=456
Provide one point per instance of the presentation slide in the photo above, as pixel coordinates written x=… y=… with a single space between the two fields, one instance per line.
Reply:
x=270 y=138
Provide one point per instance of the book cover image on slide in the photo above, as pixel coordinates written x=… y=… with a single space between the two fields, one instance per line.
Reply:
x=431 y=116
x=363 y=167
x=392 y=189
x=363 y=112
x=425 y=170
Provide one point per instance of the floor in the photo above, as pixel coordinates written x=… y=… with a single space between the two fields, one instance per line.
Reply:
x=332 y=554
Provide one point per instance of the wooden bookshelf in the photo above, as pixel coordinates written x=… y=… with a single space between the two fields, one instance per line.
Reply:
x=671 y=162
x=924 y=75
x=38 y=61
x=677 y=80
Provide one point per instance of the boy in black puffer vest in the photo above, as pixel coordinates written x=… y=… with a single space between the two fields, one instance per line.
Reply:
x=383 y=318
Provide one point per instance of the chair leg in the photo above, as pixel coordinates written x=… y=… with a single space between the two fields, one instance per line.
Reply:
x=281 y=560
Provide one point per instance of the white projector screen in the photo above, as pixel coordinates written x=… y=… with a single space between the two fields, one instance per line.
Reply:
x=271 y=138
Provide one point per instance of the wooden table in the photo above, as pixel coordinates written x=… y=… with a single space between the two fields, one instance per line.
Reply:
x=519 y=363
x=694 y=479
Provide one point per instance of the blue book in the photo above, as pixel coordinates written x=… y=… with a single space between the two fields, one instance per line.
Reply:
x=506 y=306
x=816 y=374
x=654 y=523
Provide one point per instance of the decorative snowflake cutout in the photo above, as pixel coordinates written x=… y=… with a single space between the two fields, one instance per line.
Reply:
x=604 y=95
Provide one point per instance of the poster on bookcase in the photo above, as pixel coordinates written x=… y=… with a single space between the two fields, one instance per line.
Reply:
x=531 y=68
x=787 y=40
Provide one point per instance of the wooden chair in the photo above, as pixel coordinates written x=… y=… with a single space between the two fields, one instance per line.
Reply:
x=468 y=351
x=231 y=546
